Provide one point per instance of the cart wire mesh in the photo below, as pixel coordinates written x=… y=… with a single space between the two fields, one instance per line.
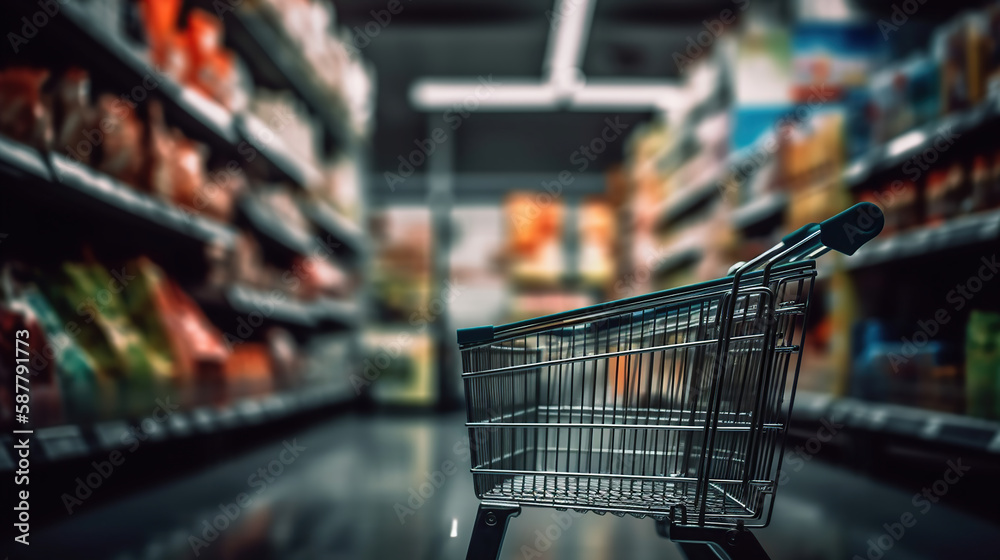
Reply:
x=671 y=401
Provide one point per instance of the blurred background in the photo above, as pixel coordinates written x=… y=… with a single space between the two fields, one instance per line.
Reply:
x=242 y=234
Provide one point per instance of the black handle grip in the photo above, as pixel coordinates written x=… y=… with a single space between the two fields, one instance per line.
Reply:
x=848 y=231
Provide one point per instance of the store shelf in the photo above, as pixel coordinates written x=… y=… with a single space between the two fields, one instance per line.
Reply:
x=933 y=239
x=677 y=260
x=19 y=161
x=759 y=210
x=278 y=155
x=191 y=110
x=336 y=225
x=279 y=306
x=335 y=312
x=687 y=199
x=66 y=442
x=281 y=234
x=709 y=185
x=930 y=426
x=112 y=194
x=78 y=184
x=198 y=115
x=894 y=154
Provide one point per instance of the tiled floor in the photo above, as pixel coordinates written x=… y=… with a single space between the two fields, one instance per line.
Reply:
x=399 y=487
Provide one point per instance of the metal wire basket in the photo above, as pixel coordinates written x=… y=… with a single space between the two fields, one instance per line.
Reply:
x=667 y=405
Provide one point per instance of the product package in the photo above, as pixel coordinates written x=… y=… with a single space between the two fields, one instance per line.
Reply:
x=982 y=365
x=87 y=394
x=75 y=120
x=24 y=115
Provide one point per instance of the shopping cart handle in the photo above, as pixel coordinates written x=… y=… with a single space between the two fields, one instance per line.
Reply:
x=846 y=232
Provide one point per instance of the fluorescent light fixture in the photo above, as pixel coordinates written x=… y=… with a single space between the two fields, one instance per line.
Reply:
x=454 y=527
x=509 y=94
x=563 y=87
x=431 y=95
x=629 y=95
x=564 y=55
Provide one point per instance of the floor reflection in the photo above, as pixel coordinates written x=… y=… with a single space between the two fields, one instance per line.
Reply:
x=399 y=487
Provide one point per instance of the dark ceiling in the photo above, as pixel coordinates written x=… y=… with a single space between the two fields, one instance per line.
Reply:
x=508 y=38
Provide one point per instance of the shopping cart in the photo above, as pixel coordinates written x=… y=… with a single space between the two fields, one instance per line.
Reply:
x=666 y=405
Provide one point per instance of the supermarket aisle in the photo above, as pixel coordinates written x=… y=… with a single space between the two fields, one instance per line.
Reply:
x=363 y=487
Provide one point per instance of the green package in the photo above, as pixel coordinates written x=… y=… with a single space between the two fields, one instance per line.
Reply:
x=982 y=365
x=85 y=393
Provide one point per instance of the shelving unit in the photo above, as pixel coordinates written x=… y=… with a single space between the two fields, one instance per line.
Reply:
x=944 y=169
x=78 y=190
x=72 y=183
x=687 y=198
x=323 y=311
x=928 y=240
x=892 y=155
x=930 y=427
x=279 y=65
x=340 y=228
x=760 y=210
x=200 y=116
x=273 y=231
x=279 y=157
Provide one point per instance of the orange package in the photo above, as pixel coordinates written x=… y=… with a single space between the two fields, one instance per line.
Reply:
x=248 y=371
x=167 y=47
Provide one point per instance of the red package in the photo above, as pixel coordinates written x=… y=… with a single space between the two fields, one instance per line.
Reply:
x=23 y=113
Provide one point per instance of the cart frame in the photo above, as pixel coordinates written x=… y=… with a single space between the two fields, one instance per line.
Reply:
x=693 y=380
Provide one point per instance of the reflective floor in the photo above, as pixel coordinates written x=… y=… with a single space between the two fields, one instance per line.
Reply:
x=399 y=487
